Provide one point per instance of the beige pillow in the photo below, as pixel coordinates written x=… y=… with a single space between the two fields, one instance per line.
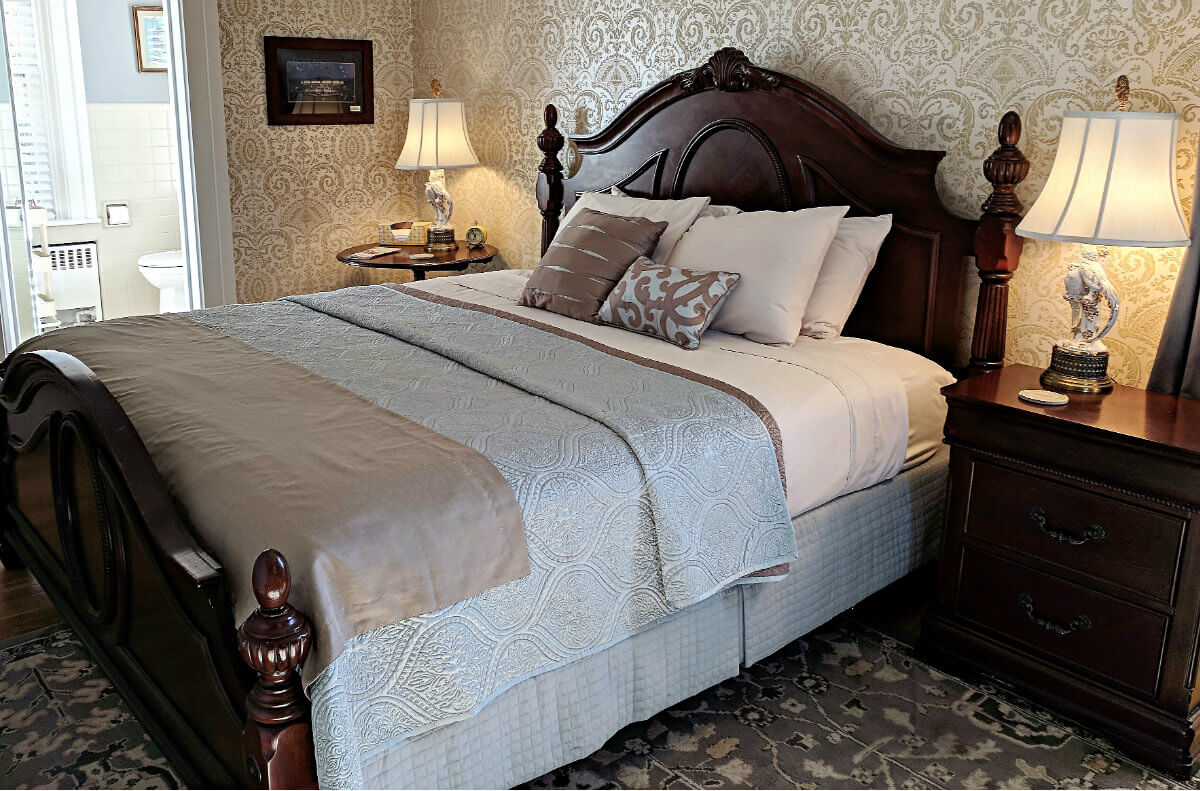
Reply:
x=666 y=302
x=586 y=259
x=778 y=255
x=843 y=274
x=677 y=214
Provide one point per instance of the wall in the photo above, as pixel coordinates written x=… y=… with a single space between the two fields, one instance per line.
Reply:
x=134 y=160
x=134 y=157
x=301 y=193
x=110 y=54
x=927 y=74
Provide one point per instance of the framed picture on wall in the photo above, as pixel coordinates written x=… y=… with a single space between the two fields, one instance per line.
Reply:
x=150 y=32
x=319 y=81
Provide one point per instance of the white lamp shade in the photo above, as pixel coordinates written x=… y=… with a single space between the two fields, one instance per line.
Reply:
x=437 y=136
x=1112 y=183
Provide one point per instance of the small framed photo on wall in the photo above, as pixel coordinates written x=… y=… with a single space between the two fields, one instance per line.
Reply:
x=319 y=81
x=150 y=33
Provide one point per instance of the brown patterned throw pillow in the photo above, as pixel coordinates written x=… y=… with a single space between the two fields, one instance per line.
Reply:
x=585 y=261
x=667 y=302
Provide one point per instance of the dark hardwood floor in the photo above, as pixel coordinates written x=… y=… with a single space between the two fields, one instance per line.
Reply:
x=24 y=606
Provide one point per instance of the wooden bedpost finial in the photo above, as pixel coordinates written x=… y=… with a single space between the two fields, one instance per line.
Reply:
x=550 y=176
x=274 y=641
x=1006 y=168
x=550 y=141
x=997 y=246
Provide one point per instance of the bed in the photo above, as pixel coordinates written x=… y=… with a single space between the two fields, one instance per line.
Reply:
x=513 y=679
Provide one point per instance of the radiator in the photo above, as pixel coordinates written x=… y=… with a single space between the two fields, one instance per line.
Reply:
x=75 y=282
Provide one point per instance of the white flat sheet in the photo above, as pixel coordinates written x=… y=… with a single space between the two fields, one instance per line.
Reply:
x=851 y=412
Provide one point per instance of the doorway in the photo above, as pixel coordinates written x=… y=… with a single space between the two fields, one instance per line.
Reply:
x=98 y=189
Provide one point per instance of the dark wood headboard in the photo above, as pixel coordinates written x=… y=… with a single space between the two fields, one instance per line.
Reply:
x=758 y=139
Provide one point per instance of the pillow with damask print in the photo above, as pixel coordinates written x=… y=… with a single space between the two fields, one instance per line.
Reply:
x=667 y=302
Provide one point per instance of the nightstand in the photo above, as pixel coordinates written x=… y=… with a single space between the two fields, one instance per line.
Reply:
x=1071 y=561
x=454 y=261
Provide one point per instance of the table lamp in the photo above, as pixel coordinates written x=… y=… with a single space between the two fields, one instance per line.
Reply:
x=1112 y=183
x=437 y=139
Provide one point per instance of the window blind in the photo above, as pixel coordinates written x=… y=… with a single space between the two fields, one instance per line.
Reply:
x=53 y=141
x=29 y=95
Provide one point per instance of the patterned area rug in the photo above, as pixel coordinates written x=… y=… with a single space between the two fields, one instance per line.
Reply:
x=847 y=707
x=844 y=708
x=62 y=725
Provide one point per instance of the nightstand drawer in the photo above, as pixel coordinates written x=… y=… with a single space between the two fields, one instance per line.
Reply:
x=1064 y=620
x=1109 y=539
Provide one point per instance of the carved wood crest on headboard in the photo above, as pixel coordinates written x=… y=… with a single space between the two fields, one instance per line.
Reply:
x=762 y=140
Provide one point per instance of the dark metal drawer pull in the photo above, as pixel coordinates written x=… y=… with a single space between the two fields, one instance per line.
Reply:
x=1093 y=533
x=1080 y=623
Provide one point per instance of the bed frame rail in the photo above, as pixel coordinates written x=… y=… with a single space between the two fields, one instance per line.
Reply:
x=86 y=509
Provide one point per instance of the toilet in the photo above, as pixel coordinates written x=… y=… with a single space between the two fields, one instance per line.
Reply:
x=165 y=272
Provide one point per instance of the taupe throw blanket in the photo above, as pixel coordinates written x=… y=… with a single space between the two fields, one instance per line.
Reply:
x=380 y=518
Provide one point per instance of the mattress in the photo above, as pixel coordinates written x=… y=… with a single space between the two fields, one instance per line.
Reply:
x=851 y=412
x=849 y=549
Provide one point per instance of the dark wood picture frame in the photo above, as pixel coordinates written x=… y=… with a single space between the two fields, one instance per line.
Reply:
x=281 y=112
x=137 y=12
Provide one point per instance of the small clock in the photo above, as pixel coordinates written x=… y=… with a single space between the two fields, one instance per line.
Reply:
x=476 y=236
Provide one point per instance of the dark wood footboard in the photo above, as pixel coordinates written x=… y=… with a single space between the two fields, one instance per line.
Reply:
x=86 y=509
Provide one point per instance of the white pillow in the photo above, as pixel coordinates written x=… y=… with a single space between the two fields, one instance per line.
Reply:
x=840 y=282
x=778 y=255
x=712 y=210
x=677 y=214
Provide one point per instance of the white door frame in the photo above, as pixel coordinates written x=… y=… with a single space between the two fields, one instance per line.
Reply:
x=198 y=57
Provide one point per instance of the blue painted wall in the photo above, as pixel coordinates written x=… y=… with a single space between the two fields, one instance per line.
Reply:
x=110 y=55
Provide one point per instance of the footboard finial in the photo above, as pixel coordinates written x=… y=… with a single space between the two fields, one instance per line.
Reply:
x=997 y=246
x=274 y=641
x=550 y=176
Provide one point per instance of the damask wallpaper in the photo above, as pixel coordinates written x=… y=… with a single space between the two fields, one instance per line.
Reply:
x=301 y=193
x=927 y=73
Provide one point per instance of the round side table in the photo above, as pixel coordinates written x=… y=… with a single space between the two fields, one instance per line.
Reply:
x=455 y=261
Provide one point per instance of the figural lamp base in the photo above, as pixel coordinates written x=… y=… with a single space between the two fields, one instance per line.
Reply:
x=1077 y=371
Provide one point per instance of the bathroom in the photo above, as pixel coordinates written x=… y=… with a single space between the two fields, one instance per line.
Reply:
x=129 y=208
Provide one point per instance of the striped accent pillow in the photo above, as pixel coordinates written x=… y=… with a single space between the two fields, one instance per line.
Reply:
x=585 y=261
x=667 y=302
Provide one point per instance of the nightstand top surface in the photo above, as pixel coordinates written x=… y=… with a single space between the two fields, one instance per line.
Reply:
x=400 y=259
x=1127 y=411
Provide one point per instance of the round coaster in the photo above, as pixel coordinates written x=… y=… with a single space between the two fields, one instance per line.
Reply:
x=1043 y=397
x=420 y=256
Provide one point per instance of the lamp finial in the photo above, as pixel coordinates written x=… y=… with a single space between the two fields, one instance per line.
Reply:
x=436 y=88
x=1122 y=93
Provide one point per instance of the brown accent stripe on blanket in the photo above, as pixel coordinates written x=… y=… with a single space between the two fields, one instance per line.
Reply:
x=768 y=420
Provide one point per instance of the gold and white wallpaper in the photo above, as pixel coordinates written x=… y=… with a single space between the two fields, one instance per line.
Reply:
x=927 y=73
x=302 y=193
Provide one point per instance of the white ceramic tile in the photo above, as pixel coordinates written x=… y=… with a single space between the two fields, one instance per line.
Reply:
x=133 y=153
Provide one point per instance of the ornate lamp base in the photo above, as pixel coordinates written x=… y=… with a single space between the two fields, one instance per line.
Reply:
x=1077 y=372
x=441 y=240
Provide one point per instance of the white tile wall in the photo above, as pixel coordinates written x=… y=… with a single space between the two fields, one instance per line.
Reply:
x=134 y=157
